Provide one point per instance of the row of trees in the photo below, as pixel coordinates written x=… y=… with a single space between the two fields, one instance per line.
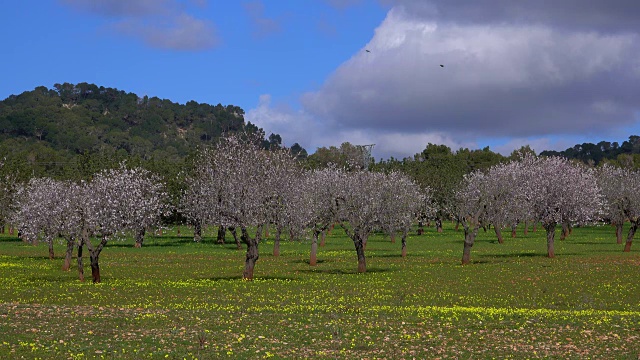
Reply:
x=89 y=214
x=238 y=185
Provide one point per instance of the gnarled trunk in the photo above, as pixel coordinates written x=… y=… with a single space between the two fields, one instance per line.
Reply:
x=470 y=236
x=359 y=243
x=222 y=232
x=68 y=255
x=140 y=237
x=236 y=238
x=197 y=231
x=404 y=245
x=323 y=238
x=420 y=227
x=551 y=233
x=619 y=226
x=94 y=255
x=565 y=231
x=80 y=264
x=498 y=233
x=313 y=256
x=49 y=241
x=439 y=225
x=276 y=241
x=632 y=232
x=393 y=237
x=252 y=252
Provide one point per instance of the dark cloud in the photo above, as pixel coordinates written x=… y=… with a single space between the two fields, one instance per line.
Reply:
x=593 y=15
x=163 y=24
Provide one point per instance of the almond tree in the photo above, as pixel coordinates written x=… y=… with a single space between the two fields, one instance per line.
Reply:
x=117 y=201
x=359 y=209
x=282 y=184
x=473 y=197
x=621 y=190
x=401 y=199
x=199 y=202
x=613 y=182
x=40 y=210
x=319 y=196
x=560 y=191
x=243 y=178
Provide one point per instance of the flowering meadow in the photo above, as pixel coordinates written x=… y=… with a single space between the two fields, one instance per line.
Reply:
x=177 y=299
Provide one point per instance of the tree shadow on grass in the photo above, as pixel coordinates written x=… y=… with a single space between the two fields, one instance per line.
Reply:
x=9 y=239
x=345 y=272
x=239 y=278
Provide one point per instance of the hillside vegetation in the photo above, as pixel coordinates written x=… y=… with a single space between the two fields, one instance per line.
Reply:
x=62 y=131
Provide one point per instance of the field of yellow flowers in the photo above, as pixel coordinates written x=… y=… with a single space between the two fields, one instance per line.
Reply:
x=177 y=299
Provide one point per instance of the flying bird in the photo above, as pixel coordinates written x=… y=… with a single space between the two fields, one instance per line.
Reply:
x=441 y=65
x=367 y=50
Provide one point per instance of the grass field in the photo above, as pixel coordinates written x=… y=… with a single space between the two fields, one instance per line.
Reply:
x=177 y=299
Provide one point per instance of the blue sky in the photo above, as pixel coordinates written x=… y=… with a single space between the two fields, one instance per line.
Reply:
x=515 y=73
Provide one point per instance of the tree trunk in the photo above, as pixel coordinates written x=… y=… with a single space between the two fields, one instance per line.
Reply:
x=252 y=252
x=323 y=238
x=457 y=228
x=222 y=232
x=498 y=233
x=95 y=267
x=632 y=232
x=2 y=229
x=80 y=265
x=526 y=228
x=619 y=226
x=234 y=232
x=292 y=235
x=513 y=230
x=469 y=239
x=313 y=257
x=197 y=231
x=359 y=244
x=535 y=226
x=404 y=244
x=67 y=258
x=276 y=241
x=565 y=231
x=551 y=233
x=439 y=225
x=140 y=237
x=393 y=237
x=50 y=243
x=420 y=228
x=94 y=255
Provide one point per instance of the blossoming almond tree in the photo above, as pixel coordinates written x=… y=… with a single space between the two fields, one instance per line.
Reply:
x=243 y=177
x=401 y=199
x=319 y=196
x=621 y=190
x=560 y=191
x=40 y=210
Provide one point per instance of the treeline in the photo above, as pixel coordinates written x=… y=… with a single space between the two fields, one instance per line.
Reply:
x=73 y=130
x=626 y=155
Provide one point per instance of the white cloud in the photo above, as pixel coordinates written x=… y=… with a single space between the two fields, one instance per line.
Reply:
x=162 y=24
x=498 y=80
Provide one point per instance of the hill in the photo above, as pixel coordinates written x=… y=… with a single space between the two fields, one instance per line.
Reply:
x=46 y=128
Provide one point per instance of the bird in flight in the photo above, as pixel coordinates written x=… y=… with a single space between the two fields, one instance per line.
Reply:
x=441 y=65
x=367 y=50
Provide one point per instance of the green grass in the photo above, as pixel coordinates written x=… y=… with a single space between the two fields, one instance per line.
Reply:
x=177 y=299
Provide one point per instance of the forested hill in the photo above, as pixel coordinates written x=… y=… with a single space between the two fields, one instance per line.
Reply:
x=52 y=126
x=627 y=154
